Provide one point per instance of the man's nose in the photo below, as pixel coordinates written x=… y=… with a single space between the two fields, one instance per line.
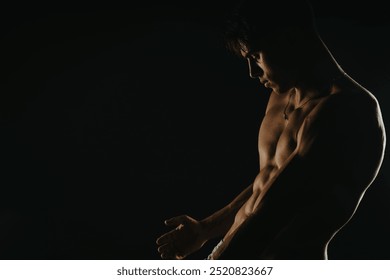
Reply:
x=254 y=70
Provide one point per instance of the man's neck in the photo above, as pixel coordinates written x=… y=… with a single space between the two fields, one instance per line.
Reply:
x=318 y=77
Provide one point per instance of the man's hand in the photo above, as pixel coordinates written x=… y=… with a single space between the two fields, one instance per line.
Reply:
x=186 y=238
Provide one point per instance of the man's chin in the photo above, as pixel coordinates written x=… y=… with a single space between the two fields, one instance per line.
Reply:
x=273 y=87
x=268 y=85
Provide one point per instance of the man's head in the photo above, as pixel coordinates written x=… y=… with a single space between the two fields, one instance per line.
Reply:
x=270 y=35
x=255 y=22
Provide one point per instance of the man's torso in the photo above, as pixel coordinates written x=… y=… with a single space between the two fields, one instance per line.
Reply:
x=279 y=138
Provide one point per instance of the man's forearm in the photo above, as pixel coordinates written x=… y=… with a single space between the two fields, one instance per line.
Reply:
x=291 y=201
x=275 y=209
x=220 y=222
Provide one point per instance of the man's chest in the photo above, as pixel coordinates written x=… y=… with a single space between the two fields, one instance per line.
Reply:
x=278 y=137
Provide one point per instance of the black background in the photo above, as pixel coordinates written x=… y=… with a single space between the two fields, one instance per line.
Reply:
x=114 y=118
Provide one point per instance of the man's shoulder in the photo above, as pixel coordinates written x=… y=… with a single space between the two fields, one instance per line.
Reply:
x=347 y=107
x=345 y=116
x=347 y=133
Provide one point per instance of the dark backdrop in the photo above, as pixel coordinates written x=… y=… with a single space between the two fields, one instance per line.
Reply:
x=114 y=118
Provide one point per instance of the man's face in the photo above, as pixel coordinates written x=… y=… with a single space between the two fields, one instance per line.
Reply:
x=271 y=67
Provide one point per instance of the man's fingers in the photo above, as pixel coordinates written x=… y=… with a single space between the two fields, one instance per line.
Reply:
x=164 y=248
x=167 y=240
x=168 y=252
x=162 y=239
x=168 y=256
x=169 y=236
x=175 y=221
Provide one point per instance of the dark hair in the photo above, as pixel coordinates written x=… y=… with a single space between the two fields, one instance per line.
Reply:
x=253 y=22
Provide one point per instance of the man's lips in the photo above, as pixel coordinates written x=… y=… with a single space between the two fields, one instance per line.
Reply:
x=265 y=82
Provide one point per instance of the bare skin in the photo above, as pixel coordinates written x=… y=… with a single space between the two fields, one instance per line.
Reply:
x=287 y=144
x=321 y=145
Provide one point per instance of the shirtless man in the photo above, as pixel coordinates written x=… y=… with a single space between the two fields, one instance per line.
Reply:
x=321 y=144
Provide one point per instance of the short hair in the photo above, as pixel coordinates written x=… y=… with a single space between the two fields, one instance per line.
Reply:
x=253 y=22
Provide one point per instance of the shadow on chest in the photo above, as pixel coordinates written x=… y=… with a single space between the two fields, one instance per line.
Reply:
x=278 y=138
